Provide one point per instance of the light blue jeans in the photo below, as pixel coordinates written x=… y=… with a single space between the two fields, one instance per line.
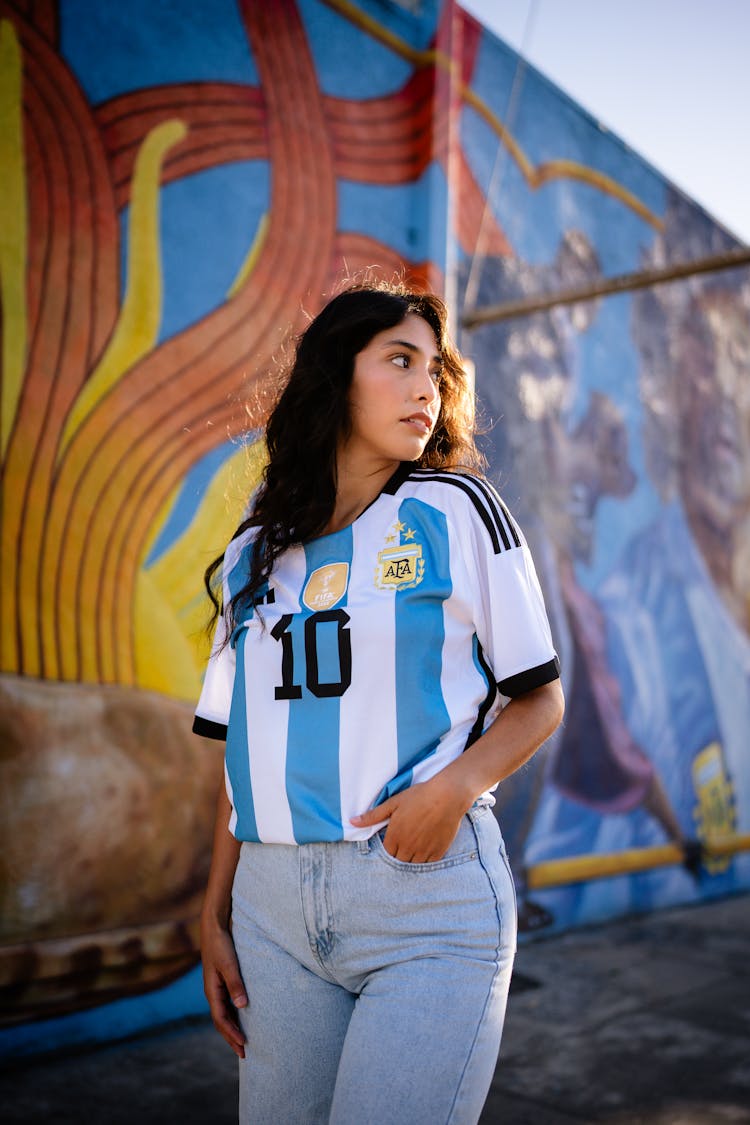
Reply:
x=377 y=989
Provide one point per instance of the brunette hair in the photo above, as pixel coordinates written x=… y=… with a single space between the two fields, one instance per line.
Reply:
x=297 y=494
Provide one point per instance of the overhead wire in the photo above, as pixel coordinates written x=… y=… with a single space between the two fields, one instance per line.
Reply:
x=500 y=162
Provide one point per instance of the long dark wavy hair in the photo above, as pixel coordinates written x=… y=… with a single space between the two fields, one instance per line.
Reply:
x=297 y=495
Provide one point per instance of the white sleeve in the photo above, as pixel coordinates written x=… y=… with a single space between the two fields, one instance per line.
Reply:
x=510 y=616
x=212 y=713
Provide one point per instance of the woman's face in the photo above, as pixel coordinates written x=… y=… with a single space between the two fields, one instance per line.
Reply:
x=394 y=398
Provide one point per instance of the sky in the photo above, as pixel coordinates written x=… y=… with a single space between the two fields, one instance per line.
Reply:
x=670 y=77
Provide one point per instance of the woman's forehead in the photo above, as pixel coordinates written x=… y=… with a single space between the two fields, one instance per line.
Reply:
x=413 y=330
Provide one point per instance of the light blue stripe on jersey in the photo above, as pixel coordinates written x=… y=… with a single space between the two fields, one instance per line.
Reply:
x=421 y=714
x=312 y=756
x=238 y=764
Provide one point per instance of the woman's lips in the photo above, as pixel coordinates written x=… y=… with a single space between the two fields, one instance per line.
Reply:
x=420 y=421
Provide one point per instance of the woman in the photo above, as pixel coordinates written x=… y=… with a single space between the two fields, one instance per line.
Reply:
x=380 y=605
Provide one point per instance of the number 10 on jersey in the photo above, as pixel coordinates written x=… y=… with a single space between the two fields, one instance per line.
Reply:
x=327 y=642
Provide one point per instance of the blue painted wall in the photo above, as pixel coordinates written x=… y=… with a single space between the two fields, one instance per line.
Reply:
x=617 y=430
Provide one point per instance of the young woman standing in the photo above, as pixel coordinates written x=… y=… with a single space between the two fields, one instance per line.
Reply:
x=382 y=660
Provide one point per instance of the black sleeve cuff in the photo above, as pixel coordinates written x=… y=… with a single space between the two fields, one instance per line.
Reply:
x=531 y=678
x=209 y=729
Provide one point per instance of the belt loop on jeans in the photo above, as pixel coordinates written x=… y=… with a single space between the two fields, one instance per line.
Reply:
x=363 y=846
x=477 y=810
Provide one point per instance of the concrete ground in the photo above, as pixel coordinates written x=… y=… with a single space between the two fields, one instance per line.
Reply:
x=638 y=1022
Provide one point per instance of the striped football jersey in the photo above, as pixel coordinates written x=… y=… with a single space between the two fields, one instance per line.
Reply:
x=377 y=654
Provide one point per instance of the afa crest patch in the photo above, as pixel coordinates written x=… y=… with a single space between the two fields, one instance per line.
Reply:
x=326 y=586
x=400 y=566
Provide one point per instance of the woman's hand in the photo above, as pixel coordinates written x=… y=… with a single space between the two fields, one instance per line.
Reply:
x=222 y=981
x=423 y=820
x=223 y=985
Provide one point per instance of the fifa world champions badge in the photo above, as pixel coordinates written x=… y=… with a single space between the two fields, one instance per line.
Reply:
x=326 y=586
x=400 y=563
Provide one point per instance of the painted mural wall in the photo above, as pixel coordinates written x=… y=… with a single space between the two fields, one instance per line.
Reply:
x=179 y=195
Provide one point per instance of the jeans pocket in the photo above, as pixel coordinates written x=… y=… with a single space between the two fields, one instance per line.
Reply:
x=463 y=849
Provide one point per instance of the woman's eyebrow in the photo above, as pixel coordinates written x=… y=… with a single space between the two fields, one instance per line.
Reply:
x=411 y=348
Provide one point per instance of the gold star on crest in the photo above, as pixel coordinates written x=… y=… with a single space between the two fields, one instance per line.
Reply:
x=409 y=534
x=398 y=526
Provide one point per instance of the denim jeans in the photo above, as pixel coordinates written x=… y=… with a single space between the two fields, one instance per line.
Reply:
x=377 y=988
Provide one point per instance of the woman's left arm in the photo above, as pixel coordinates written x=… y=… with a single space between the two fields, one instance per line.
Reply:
x=424 y=819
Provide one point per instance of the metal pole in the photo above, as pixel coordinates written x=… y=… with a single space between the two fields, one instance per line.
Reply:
x=624 y=283
x=582 y=868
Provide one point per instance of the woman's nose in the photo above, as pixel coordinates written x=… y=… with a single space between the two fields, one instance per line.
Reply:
x=427 y=388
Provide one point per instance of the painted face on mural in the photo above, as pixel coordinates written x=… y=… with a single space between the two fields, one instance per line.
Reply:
x=714 y=365
x=713 y=400
x=694 y=343
x=568 y=469
x=394 y=398
x=591 y=462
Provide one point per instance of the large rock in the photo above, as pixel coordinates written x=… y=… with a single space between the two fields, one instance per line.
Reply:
x=106 y=812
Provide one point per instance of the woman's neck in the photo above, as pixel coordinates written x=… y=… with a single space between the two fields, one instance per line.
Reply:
x=357 y=485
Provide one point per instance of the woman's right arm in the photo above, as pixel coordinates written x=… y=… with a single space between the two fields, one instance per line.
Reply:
x=222 y=982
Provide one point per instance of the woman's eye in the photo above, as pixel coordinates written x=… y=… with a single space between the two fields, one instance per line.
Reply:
x=401 y=361
x=437 y=374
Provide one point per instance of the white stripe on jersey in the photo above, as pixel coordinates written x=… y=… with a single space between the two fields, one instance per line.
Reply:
x=459 y=679
x=267 y=726
x=362 y=779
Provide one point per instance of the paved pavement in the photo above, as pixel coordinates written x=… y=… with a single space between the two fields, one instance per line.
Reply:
x=639 y=1022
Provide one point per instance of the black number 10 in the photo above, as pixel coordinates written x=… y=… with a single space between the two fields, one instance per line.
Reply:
x=280 y=632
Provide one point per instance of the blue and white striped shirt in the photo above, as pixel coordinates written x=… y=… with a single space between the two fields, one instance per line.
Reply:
x=380 y=653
